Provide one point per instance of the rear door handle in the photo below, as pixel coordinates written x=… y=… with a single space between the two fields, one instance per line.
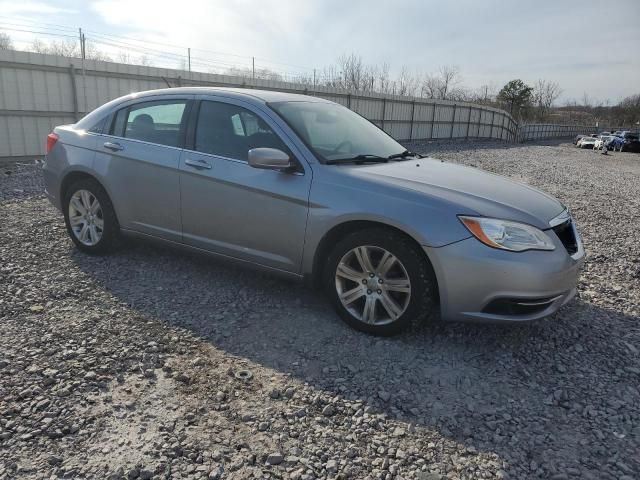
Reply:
x=198 y=164
x=115 y=146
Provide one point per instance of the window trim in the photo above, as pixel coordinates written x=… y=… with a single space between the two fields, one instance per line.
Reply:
x=184 y=121
x=190 y=143
x=102 y=124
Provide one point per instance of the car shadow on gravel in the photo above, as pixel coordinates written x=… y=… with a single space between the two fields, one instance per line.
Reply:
x=487 y=387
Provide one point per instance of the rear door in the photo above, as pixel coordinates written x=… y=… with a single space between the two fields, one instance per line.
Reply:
x=231 y=208
x=140 y=158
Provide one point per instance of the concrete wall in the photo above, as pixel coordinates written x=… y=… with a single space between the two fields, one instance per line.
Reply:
x=38 y=92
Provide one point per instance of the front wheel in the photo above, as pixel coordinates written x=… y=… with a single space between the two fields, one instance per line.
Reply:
x=379 y=281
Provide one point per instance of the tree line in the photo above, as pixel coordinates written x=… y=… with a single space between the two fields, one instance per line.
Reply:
x=526 y=103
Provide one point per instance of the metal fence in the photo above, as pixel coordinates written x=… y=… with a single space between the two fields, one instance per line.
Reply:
x=38 y=92
x=543 y=131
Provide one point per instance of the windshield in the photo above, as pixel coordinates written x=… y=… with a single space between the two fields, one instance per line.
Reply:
x=334 y=132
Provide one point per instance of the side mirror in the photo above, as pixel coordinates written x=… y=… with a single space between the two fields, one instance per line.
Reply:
x=269 y=159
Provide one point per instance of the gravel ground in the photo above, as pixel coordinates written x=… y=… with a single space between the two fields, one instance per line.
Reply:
x=151 y=363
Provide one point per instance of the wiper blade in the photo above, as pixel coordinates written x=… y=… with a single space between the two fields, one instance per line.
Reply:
x=363 y=157
x=404 y=154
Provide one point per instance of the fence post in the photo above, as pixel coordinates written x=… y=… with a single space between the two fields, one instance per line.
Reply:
x=433 y=120
x=74 y=91
x=413 y=111
x=349 y=101
x=384 y=110
x=493 y=117
x=453 y=120
x=466 y=135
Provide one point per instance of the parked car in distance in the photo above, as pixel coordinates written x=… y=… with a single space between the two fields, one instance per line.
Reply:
x=630 y=142
x=577 y=138
x=603 y=141
x=306 y=188
x=586 y=142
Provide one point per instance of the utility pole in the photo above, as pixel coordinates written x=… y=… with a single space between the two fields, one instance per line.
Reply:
x=189 y=57
x=253 y=67
x=314 y=78
x=83 y=54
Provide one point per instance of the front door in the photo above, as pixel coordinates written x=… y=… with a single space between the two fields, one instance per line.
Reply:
x=231 y=208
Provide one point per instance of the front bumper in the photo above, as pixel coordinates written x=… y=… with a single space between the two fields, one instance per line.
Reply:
x=473 y=279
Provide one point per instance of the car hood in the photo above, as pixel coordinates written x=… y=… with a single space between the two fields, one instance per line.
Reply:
x=473 y=191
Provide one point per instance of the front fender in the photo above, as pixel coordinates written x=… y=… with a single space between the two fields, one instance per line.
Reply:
x=430 y=222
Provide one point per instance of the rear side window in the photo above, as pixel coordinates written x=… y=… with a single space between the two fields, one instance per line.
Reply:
x=98 y=126
x=231 y=131
x=154 y=122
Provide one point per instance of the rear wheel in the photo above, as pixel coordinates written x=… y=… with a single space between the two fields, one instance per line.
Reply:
x=379 y=281
x=90 y=218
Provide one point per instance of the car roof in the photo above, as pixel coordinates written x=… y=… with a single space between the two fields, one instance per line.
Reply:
x=247 y=94
x=250 y=95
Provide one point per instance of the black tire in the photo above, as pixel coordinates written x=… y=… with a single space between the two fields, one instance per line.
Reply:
x=111 y=232
x=423 y=297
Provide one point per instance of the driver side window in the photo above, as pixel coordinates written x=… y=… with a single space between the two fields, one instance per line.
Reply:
x=231 y=131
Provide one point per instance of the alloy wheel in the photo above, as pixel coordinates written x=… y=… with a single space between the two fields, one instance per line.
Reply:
x=86 y=217
x=373 y=285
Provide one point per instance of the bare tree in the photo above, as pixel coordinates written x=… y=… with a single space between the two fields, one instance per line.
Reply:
x=5 y=42
x=331 y=77
x=407 y=83
x=124 y=57
x=443 y=85
x=449 y=79
x=94 y=53
x=545 y=93
x=381 y=73
x=485 y=94
x=68 y=48
x=64 y=48
x=260 y=73
x=430 y=87
x=145 y=61
x=355 y=73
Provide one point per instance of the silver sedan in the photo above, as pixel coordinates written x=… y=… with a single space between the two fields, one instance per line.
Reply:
x=306 y=188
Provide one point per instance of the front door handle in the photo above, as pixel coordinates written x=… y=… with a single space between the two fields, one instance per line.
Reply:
x=198 y=164
x=114 y=146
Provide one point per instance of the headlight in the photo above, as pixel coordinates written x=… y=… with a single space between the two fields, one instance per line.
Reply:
x=506 y=235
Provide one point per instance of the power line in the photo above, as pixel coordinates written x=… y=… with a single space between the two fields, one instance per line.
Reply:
x=28 y=22
x=39 y=33
x=41 y=25
x=41 y=28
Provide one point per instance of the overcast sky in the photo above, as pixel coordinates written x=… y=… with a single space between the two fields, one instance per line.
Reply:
x=586 y=46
